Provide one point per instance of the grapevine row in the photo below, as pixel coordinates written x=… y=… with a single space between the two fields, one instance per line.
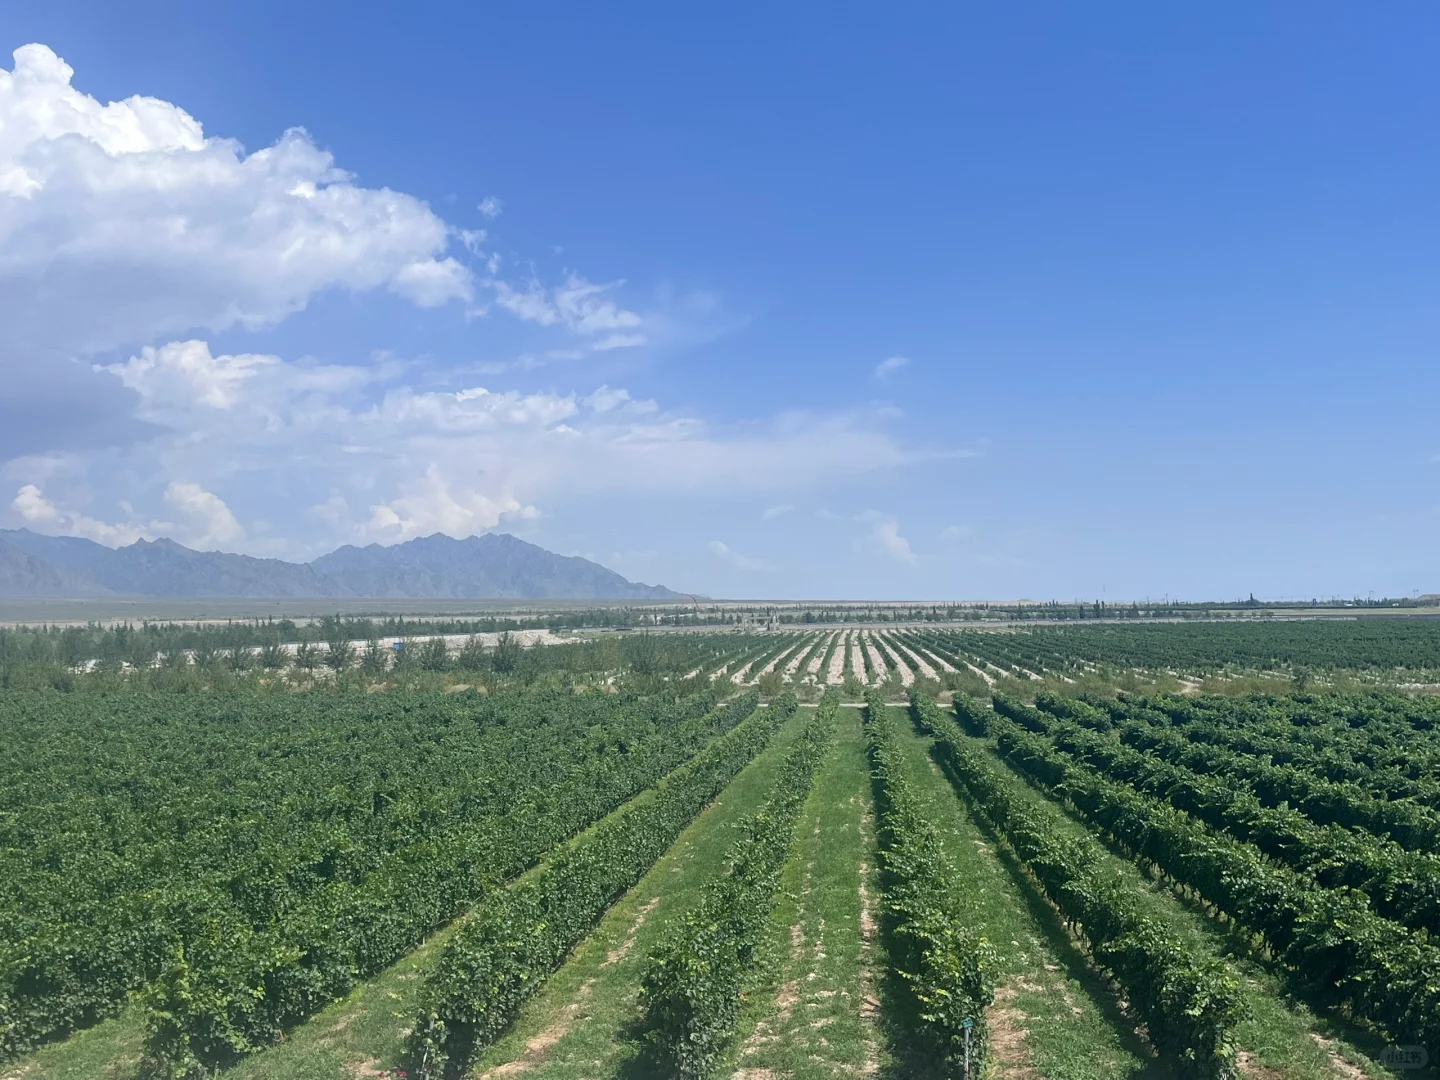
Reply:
x=941 y=959
x=505 y=950
x=1402 y=885
x=1411 y=825
x=233 y=985
x=1190 y=1002
x=142 y=824
x=1379 y=970
x=1392 y=763
x=694 y=979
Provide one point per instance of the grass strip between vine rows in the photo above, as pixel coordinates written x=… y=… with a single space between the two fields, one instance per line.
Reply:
x=1381 y=971
x=694 y=978
x=503 y=952
x=1190 y=1003
x=940 y=959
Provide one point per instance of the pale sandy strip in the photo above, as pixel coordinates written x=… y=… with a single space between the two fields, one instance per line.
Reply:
x=878 y=661
x=945 y=665
x=770 y=666
x=993 y=667
x=989 y=679
x=835 y=674
x=907 y=677
x=813 y=668
x=793 y=664
x=917 y=661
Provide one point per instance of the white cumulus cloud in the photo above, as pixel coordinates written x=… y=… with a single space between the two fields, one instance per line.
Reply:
x=143 y=225
x=45 y=516
x=354 y=453
x=884 y=538
x=186 y=369
x=122 y=222
x=432 y=503
x=202 y=520
x=126 y=226
x=206 y=521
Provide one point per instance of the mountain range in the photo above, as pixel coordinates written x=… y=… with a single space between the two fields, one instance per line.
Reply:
x=489 y=567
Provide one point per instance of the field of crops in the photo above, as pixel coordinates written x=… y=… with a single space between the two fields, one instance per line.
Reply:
x=892 y=852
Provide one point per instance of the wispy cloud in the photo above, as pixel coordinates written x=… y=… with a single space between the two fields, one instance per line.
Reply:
x=579 y=306
x=491 y=206
x=888 y=367
x=957 y=532
x=722 y=550
x=773 y=512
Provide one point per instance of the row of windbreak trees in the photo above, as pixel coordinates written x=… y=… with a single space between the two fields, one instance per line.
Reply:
x=206 y=666
x=1373 y=644
x=139 y=643
x=265 y=642
x=646 y=661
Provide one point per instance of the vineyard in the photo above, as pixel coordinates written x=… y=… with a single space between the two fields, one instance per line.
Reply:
x=1200 y=851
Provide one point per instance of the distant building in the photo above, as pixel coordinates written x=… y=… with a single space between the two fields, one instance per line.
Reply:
x=757 y=620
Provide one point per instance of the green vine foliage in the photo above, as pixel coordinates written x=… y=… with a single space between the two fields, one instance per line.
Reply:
x=1203 y=646
x=693 y=981
x=1401 y=885
x=505 y=949
x=1378 y=969
x=136 y=828
x=942 y=961
x=1190 y=1002
x=1174 y=732
x=258 y=949
x=1383 y=742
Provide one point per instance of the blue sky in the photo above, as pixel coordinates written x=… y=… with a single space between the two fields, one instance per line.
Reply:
x=1157 y=289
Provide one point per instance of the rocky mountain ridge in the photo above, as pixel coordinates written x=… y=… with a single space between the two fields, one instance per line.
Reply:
x=487 y=567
